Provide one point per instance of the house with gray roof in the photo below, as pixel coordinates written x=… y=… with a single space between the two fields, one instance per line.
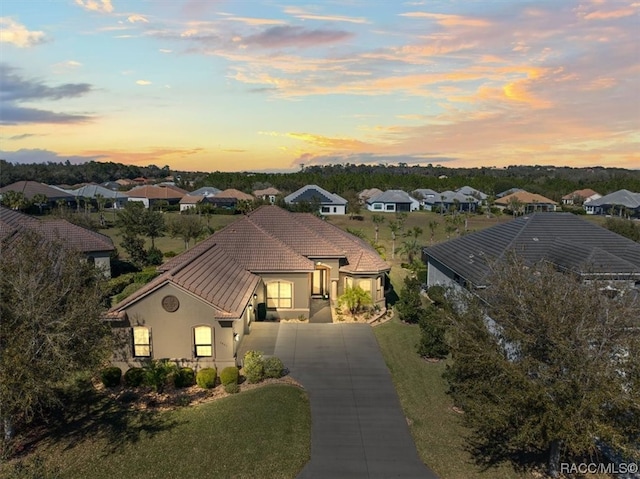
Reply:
x=268 y=264
x=329 y=203
x=619 y=203
x=113 y=199
x=567 y=241
x=95 y=246
x=32 y=188
x=469 y=191
x=205 y=191
x=392 y=201
x=428 y=198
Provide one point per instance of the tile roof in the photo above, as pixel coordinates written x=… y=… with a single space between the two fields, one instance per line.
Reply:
x=392 y=196
x=469 y=191
x=586 y=193
x=360 y=256
x=311 y=192
x=32 y=188
x=91 y=191
x=508 y=192
x=233 y=193
x=154 y=192
x=78 y=238
x=191 y=199
x=525 y=197
x=453 y=196
x=563 y=239
x=213 y=276
x=266 y=192
x=296 y=234
x=625 y=198
x=369 y=193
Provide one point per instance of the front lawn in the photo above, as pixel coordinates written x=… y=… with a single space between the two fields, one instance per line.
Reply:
x=264 y=432
x=435 y=426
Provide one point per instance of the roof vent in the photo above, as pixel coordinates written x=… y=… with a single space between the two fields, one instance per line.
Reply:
x=535 y=239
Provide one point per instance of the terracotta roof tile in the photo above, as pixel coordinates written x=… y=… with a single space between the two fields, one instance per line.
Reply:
x=233 y=193
x=525 y=197
x=32 y=188
x=154 y=192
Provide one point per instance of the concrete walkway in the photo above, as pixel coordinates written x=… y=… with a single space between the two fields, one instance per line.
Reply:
x=320 y=311
x=359 y=429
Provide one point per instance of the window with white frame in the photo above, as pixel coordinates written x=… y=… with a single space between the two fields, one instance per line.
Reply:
x=202 y=340
x=325 y=209
x=141 y=342
x=279 y=294
x=377 y=206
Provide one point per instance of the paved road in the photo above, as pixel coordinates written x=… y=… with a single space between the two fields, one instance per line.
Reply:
x=359 y=429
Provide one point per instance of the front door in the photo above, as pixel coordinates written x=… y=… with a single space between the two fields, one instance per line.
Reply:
x=318 y=281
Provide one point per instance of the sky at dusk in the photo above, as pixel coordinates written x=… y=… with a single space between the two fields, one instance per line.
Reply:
x=270 y=85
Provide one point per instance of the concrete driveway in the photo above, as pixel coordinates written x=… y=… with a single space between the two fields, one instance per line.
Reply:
x=358 y=427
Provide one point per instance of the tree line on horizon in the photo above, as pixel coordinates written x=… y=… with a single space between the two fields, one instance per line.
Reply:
x=553 y=182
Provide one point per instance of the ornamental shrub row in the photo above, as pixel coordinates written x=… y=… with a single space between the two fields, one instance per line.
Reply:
x=256 y=367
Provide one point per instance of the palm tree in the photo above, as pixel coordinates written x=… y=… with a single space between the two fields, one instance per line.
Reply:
x=433 y=225
x=394 y=227
x=377 y=221
x=40 y=200
x=411 y=248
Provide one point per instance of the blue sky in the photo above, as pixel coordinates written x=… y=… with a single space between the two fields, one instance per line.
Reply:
x=249 y=85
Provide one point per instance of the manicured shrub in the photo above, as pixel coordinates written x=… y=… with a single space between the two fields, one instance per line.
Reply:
x=146 y=275
x=253 y=366
x=157 y=373
x=273 y=367
x=229 y=375
x=184 y=378
x=170 y=254
x=232 y=388
x=206 y=378
x=116 y=285
x=134 y=377
x=154 y=257
x=111 y=376
x=129 y=290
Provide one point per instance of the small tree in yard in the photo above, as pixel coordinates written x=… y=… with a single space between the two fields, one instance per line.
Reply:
x=432 y=333
x=253 y=366
x=409 y=305
x=544 y=365
x=50 y=325
x=355 y=299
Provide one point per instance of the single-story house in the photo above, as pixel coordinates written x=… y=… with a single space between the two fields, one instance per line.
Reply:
x=429 y=199
x=111 y=185
x=580 y=197
x=392 y=201
x=32 y=188
x=97 y=247
x=113 y=199
x=126 y=182
x=228 y=198
x=477 y=194
x=569 y=242
x=190 y=201
x=455 y=201
x=526 y=202
x=270 y=263
x=267 y=194
x=150 y=194
x=619 y=203
x=329 y=203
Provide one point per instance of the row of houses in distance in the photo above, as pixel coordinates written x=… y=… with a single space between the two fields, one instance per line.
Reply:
x=465 y=199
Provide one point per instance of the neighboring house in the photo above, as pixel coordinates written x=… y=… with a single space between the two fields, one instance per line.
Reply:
x=580 y=197
x=190 y=201
x=392 y=201
x=97 y=247
x=429 y=199
x=125 y=182
x=455 y=201
x=111 y=185
x=32 y=188
x=150 y=194
x=508 y=192
x=364 y=195
x=477 y=194
x=569 y=242
x=330 y=203
x=526 y=202
x=269 y=263
x=205 y=191
x=267 y=194
x=114 y=199
x=619 y=203
x=228 y=198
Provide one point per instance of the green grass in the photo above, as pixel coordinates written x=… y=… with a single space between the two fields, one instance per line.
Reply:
x=264 y=432
x=437 y=430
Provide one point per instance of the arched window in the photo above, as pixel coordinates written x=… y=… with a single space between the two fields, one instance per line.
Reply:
x=280 y=294
x=141 y=342
x=202 y=340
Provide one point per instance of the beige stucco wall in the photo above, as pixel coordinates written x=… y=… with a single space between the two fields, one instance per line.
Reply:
x=378 y=298
x=172 y=333
x=301 y=294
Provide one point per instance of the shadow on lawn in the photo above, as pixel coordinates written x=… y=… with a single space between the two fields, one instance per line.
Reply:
x=87 y=414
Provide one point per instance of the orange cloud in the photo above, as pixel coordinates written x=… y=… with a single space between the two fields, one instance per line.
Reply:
x=449 y=20
x=328 y=142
